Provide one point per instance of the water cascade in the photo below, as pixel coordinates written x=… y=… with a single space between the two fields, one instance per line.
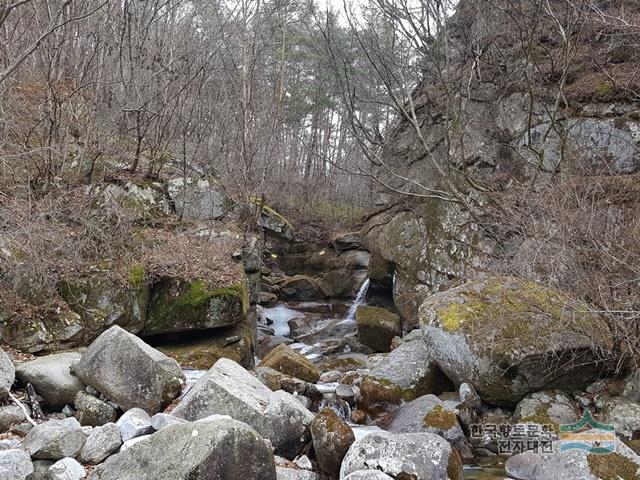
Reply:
x=360 y=300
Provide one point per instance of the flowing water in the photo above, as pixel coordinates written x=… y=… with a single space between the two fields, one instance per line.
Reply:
x=280 y=317
x=360 y=300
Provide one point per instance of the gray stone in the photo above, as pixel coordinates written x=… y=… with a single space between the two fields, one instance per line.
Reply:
x=15 y=465
x=631 y=388
x=549 y=406
x=134 y=441
x=332 y=438
x=368 y=475
x=419 y=456
x=52 y=378
x=55 y=439
x=198 y=198
x=228 y=389
x=470 y=397
x=7 y=374
x=129 y=372
x=221 y=449
x=66 y=469
x=101 y=442
x=164 y=420
x=573 y=465
x=92 y=411
x=623 y=415
x=330 y=376
x=10 y=415
x=288 y=473
x=40 y=470
x=134 y=423
x=9 y=444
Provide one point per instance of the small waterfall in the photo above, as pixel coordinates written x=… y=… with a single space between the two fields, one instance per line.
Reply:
x=360 y=299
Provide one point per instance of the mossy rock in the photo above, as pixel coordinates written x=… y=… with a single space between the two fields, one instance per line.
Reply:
x=377 y=326
x=613 y=466
x=51 y=333
x=178 y=305
x=287 y=361
x=510 y=337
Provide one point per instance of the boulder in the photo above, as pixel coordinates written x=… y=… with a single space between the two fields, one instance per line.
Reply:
x=10 y=415
x=429 y=414
x=198 y=198
x=575 y=464
x=54 y=332
x=91 y=411
x=129 y=372
x=274 y=224
x=631 y=387
x=623 y=415
x=547 y=408
x=15 y=465
x=377 y=327
x=367 y=475
x=406 y=373
x=509 y=338
x=101 y=442
x=52 y=379
x=145 y=201
x=220 y=449
x=287 y=361
x=7 y=374
x=228 y=389
x=419 y=456
x=303 y=288
x=347 y=241
x=290 y=473
x=55 y=439
x=40 y=470
x=331 y=437
x=164 y=420
x=66 y=469
x=178 y=305
x=134 y=423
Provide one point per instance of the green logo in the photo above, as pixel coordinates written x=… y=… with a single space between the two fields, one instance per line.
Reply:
x=589 y=435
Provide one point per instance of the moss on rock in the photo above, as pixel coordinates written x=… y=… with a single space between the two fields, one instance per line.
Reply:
x=440 y=418
x=287 y=361
x=613 y=466
x=377 y=327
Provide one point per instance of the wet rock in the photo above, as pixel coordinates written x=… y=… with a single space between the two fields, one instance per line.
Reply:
x=10 y=415
x=101 y=442
x=550 y=407
x=430 y=414
x=575 y=465
x=134 y=423
x=15 y=465
x=287 y=361
x=92 y=411
x=303 y=288
x=55 y=439
x=228 y=389
x=66 y=469
x=218 y=449
x=623 y=415
x=509 y=338
x=7 y=374
x=377 y=327
x=129 y=372
x=198 y=198
x=419 y=456
x=331 y=437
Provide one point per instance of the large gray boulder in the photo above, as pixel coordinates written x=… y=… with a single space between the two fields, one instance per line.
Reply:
x=549 y=407
x=10 y=415
x=419 y=456
x=7 y=374
x=101 y=442
x=198 y=198
x=134 y=423
x=510 y=337
x=129 y=372
x=55 y=439
x=622 y=414
x=66 y=469
x=368 y=475
x=575 y=464
x=91 y=411
x=52 y=378
x=15 y=465
x=220 y=449
x=228 y=389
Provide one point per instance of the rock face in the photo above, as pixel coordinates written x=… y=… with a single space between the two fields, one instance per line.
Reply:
x=377 y=327
x=332 y=438
x=546 y=408
x=55 y=439
x=198 y=198
x=213 y=450
x=228 y=389
x=408 y=372
x=575 y=465
x=15 y=465
x=52 y=379
x=287 y=361
x=303 y=288
x=7 y=374
x=419 y=456
x=509 y=338
x=129 y=372
x=178 y=306
x=63 y=330
x=623 y=415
